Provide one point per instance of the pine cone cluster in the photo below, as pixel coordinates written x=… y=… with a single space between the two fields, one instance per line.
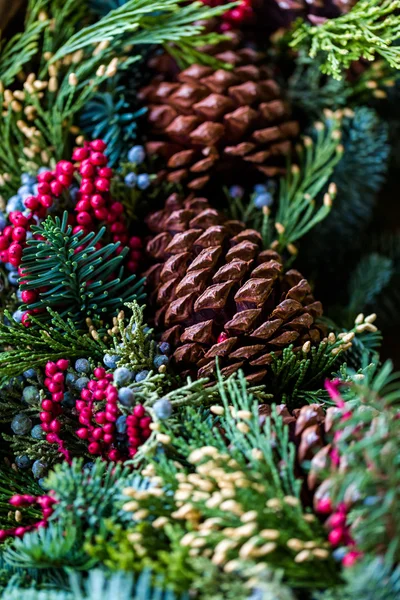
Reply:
x=219 y=124
x=220 y=295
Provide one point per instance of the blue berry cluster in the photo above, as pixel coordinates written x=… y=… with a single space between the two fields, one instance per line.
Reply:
x=27 y=188
x=141 y=181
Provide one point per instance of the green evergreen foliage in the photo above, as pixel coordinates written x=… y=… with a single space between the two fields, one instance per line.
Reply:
x=80 y=283
x=172 y=23
x=32 y=347
x=102 y=7
x=108 y=115
x=369 y=29
x=97 y=585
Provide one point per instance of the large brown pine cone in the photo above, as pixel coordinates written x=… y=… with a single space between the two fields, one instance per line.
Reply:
x=219 y=125
x=220 y=295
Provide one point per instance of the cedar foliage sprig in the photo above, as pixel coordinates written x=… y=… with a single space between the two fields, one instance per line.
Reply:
x=52 y=339
x=248 y=525
x=370 y=28
x=81 y=282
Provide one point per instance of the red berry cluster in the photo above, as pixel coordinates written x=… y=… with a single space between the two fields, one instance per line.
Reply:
x=95 y=204
x=138 y=429
x=46 y=504
x=51 y=184
x=54 y=382
x=339 y=530
x=235 y=17
x=98 y=427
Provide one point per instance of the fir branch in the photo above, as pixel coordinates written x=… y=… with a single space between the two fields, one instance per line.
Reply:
x=158 y=22
x=80 y=280
x=370 y=278
x=371 y=28
x=49 y=548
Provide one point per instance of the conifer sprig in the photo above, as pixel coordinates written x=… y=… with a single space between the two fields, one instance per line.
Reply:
x=162 y=22
x=371 y=28
x=80 y=281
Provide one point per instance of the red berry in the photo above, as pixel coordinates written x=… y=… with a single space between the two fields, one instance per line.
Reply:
x=135 y=242
x=57 y=396
x=26 y=319
x=62 y=364
x=45 y=177
x=46 y=416
x=108 y=438
x=82 y=433
x=65 y=167
x=43 y=188
x=51 y=369
x=87 y=169
x=97 y=433
x=102 y=184
x=82 y=205
x=98 y=145
x=32 y=203
x=46 y=200
x=117 y=208
x=324 y=506
x=4 y=243
x=113 y=455
x=64 y=180
x=80 y=154
x=98 y=158
x=94 y=448
x=100 y=213
x=100 y=418
x=86 y=187
x=99 y=372
x=28 y=296
x=97 y=201
x=139 y=411
x=47 y=405
x=106 y=172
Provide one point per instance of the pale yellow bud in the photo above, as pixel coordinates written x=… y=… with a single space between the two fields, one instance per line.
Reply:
x=217 y=410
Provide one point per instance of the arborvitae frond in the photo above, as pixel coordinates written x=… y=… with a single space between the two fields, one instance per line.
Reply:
x=371 y=28
x=80 y=283
x=32 y=347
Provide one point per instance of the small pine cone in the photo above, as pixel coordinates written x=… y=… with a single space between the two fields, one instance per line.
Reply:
x=217 y=125
x=220 y=295
x=309 y=429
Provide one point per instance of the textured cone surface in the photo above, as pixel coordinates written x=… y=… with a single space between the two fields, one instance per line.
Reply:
x=309 y=429
x=219 y=294
x=208 y=124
